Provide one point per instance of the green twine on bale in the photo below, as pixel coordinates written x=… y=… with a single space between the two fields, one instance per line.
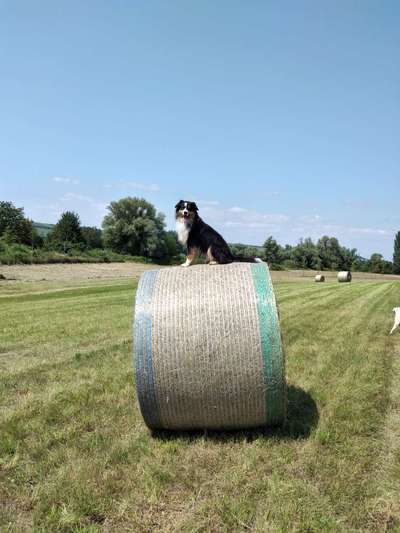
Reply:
x=271 y=344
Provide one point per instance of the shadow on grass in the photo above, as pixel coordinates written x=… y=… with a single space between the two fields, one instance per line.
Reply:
x=302 y=417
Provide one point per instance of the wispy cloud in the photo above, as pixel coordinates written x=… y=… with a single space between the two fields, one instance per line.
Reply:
x=53 y=209
x=90 y=210
x=62 y=179
x=249 y=224
x=340 y=229
x=207 y=203
x=372 y=231
x=152 y=187
x=237 y=209
x=149 y=187
x=74 y=196
x=310 y=219
x=71 y=198
x=241 y=217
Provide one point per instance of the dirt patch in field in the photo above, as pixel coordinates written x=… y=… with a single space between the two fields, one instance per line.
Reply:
x=74 y=272
x=77 y=272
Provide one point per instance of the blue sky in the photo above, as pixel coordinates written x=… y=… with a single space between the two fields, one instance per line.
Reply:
x=278 y=117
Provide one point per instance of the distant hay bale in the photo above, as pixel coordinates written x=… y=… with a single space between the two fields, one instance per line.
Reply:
x=319 y=278
x=207 y=348
x=344 y=276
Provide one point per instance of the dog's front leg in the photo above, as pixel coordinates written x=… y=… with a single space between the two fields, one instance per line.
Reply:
x=191 y=255
x=187 y=263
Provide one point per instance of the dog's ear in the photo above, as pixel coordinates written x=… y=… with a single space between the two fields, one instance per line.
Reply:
x=179 y=204
x=194 y=206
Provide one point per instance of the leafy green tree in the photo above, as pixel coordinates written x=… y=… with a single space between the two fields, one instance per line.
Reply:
x=360 y=264
x=246 y=250
x=329 y=252
x=396 y=254
x=387 y=267
x=37 y=240
x=173 y=247
x=376 y=263
x=272 y=251
x=305 y=255
x=237 y=249
x=252 y=251
x=67 y=233
x=287 y=256
x=349 y=258
x=92 y=237
x=9 y=236
x=134 y=227
x=13 y=224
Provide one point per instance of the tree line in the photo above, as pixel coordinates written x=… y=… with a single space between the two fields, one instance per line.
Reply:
x=133 y=228
x=328 y=254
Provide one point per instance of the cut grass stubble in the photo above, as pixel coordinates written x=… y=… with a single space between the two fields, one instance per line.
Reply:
x=75 y=454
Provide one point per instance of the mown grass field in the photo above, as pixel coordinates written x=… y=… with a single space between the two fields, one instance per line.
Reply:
x=76 y=456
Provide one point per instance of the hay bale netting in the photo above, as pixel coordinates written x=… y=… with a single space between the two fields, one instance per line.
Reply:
x=344 y=276
x=207 y=348
x=319 y=278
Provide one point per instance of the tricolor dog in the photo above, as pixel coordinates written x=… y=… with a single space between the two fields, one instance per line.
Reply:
x=200 y=238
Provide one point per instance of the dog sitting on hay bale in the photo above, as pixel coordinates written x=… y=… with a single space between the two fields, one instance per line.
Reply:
x=200 y=238
x=207 y=345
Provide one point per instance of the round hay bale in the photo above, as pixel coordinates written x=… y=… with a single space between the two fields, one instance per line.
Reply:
x=344 y=276
x=319 y=278
x=207 y=348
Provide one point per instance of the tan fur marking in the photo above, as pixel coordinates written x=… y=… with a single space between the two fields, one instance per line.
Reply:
x=190 y=257
x=192 y=253
x=209 y=257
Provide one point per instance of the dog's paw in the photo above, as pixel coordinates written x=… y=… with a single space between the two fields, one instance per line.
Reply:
x=185 y=265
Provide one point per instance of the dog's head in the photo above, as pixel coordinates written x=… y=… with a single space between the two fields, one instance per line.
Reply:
x=186 y=210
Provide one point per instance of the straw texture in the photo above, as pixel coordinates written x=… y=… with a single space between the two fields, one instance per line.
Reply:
x=207 y=348
x=344 y=276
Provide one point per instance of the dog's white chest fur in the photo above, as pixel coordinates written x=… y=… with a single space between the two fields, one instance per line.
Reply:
x=182 y=229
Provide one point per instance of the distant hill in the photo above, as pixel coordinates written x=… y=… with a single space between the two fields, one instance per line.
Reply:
x=257 y=247
x=42 y=228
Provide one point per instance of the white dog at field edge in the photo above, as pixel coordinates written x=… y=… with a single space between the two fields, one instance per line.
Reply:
x=396 y=311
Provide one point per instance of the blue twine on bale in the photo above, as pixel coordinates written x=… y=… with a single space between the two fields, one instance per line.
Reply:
x=143 y=352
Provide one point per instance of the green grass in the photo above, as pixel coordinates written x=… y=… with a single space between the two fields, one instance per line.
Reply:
x=76 y=456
